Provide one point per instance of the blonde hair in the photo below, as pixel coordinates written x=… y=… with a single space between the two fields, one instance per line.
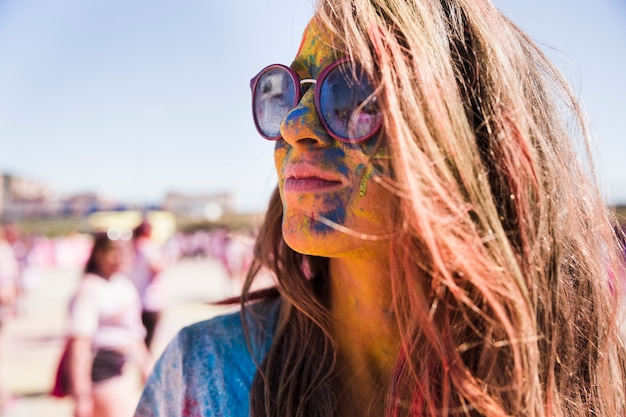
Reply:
x=503 y=251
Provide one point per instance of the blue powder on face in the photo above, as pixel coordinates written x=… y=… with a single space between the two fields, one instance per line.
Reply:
x=280 y=145
x=299 y=113
x=334 y=157
x=359 y=170
x=336 y=214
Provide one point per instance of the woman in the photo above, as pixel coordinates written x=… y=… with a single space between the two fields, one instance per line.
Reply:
x=147 y=264
x=9 y=296
x=438 y=245
x=105 y=331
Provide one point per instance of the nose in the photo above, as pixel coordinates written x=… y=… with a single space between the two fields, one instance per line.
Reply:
x=301 y=126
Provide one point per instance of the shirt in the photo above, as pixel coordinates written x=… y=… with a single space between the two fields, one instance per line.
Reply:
x=106 y=310
x=207 y=369
x=147 y=254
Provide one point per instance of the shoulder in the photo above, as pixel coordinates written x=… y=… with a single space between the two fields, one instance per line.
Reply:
x=89 y=286
x=229 y=345
x=228 y=332
x=122 y=282
x=212 y=363
x=90 y=279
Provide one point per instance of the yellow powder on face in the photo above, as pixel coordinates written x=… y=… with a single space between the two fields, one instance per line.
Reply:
x=369 y=171
x=382 y=154
x=315 y=52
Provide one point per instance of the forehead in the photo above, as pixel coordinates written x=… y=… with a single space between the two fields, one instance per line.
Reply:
x=315 y=51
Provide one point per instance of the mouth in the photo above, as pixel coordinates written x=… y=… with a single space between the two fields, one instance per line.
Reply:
x=303 y=178
x=310 y=184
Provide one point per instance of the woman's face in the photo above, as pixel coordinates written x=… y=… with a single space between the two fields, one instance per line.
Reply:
x=110 y=260
x=323 y=181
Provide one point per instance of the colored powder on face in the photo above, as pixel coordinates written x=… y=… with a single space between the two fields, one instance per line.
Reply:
x=301 y=115
x=336 y=214
x=359 y=170
x=334 y=160
x=302 y=227
x=369 y=172
x=281 y=146
x=382 y=154
x=314 y=53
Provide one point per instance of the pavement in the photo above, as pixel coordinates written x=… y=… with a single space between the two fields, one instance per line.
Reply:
x=35 y=338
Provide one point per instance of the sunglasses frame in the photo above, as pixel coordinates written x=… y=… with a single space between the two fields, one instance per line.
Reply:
x=298 y=84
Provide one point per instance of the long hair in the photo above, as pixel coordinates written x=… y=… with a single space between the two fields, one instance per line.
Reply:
x=101 y=244
x=503 y=251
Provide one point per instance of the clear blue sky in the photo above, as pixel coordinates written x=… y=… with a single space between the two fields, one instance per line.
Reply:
x=132 y=98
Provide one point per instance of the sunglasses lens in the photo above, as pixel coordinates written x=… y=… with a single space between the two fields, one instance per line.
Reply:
x=274 y=97
x=348 y=105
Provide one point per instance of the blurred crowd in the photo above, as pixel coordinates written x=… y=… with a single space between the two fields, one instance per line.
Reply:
x=117 y=302
x=23 y=254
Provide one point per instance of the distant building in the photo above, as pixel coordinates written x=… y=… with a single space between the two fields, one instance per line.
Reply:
x=199 y=206
x=22 y=197
x=86 y=203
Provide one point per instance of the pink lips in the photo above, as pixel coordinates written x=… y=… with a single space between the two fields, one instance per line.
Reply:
x=304 y=177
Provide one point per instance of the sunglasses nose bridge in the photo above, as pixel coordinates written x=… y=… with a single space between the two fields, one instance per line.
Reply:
x=307 y=81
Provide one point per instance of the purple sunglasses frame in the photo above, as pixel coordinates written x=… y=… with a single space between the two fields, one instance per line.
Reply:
x=298 y=83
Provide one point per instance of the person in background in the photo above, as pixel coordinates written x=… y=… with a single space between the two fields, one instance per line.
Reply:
x=439 y=241
x=18 y=242
x=148 y=262
x=9 y=293
x=105 y=335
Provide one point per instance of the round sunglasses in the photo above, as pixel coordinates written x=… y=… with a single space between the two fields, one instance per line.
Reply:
x=344 y=100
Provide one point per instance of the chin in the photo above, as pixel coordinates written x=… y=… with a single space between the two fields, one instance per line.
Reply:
x=307 y=236
x=316 y=247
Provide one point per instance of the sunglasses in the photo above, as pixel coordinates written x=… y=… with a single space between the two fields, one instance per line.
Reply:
x=344 y=100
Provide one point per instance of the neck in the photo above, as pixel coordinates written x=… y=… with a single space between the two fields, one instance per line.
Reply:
x=365 y=327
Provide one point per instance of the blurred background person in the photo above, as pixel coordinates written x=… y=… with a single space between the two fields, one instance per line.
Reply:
x=106 y=333
x=148 y=262
x=9 y=291
x=13 y=236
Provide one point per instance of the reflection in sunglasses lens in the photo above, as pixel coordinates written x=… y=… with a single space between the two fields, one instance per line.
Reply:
x=347 y=104
x=274 y=98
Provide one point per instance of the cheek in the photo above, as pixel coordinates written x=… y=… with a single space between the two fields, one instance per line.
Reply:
x=371 y=202
x=334 y=209
x=334 y=159
x=280 y=154
x=309 y=227
x=306 y=216
x=365 y=173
